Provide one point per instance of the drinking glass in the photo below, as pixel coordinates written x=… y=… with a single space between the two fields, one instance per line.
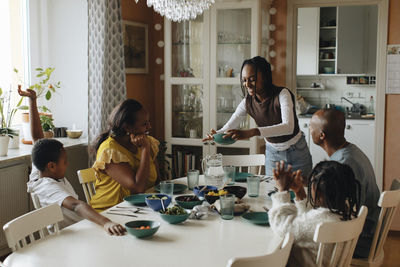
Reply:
x=227 y=206
x=192 y=178
x=253 y=186
x=230 y=173
x=167 y=188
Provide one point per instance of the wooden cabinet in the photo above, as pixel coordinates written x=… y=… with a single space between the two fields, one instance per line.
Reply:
x=203 y=59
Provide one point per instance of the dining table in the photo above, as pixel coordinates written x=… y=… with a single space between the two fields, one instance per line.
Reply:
x=210 y=241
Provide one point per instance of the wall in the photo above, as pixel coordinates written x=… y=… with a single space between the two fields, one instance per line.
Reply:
x=392 y=128
x=147 y=88
x=58 y=39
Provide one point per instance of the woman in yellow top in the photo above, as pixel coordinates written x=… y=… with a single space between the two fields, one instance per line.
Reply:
x=126 y=156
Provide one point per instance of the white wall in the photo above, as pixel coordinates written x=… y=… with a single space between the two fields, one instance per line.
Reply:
x=58 y=38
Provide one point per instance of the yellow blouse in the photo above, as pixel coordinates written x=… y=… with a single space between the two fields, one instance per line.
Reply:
x=108 y=191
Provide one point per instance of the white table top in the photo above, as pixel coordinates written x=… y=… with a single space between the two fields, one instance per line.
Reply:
x=207 y=242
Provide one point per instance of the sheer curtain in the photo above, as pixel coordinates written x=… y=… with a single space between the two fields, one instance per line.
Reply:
x=107 y=85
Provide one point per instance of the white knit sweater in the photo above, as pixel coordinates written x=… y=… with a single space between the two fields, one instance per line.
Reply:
x=301 y=220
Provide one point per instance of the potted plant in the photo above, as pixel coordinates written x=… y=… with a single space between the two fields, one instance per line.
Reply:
x=5 y=131
x=45 y=87
x=47 y=125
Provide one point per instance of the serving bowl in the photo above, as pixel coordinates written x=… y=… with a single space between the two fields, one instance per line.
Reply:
x=174 y=219
x=238 y=191
x=218 y=138
x=132 y=228
x=74 y=133
x=188 y=201
x=212 y=199
x=197 y=189
x=137 y=199
x=155 y=204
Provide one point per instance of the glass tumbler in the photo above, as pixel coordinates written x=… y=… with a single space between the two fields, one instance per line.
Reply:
x=253 y=186
x=167 y=188
x=193 y=178
x=230 y=173
x=227 y=206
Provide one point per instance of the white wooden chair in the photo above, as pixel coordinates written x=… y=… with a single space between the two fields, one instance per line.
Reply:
x=256 y=161
x=87 y=177
x=278 y=258
x=35 y=201
x=19 y=230
x=344 y=234
x=389 y=201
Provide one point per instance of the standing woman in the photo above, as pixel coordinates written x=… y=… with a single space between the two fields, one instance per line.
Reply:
x=126 y=156
x=273 y=109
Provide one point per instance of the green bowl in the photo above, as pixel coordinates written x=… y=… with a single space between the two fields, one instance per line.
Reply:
x=218 y=138
x=139 y=233
x=174 y=219
x=257 y=217
x=187 y=204
x=137 y=199
x=178 y=188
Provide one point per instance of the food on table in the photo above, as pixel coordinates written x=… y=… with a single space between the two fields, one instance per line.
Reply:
x=189 y=198
x=156 y=197
x=218 y=193
x=175 y=210
x=143 y=227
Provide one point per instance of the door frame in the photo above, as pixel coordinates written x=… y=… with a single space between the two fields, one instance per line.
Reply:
x=381 y=52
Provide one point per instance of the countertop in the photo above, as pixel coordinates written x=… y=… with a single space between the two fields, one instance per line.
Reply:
x=25 y=150
x=347 y=117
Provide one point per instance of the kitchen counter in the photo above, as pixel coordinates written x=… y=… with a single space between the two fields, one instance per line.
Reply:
x=26 y=150
x=347 y=117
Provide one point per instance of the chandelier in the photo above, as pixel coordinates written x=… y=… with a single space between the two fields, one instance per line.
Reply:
x=178 y=10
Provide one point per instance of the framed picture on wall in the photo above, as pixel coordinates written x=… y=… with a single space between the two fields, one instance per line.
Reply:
x=136 y=48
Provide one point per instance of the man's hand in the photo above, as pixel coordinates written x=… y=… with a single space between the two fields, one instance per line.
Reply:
x=241 y=134
x=283 y=176
x=28 y=93
x=114 y=228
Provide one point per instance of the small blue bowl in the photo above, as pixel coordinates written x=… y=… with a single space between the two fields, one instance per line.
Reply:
x=218 y=138
x=196 y=190
x=155 y=204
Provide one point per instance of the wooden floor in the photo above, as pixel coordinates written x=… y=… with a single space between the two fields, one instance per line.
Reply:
x=391 y=248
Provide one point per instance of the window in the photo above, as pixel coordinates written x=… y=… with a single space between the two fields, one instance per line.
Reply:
x=13 y=53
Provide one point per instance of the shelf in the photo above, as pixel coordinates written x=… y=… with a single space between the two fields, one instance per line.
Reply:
x=310 y=88
x=187 y=43
x=329 y=59
x=233 y=43
x=328 y=28
x=327 y=48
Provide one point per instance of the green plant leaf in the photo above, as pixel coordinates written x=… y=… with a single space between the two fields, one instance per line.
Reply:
x=40 y=75
x=15 y=70
x=39 y=69
x=23 y=107
x=48 y=95
x=1 y=91
x=20 y=102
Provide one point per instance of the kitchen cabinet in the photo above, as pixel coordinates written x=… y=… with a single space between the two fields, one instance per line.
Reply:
x=336 y=40
x=358 y=132
x=203 y=58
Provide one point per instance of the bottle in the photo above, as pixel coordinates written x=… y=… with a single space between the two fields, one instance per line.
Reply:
x=371 y=105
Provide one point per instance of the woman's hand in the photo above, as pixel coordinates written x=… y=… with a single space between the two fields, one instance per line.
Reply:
x=283 y=176
x=114 y=228
x=140 y=140
x=241 y=134
x=210 y=135
x=28 y=93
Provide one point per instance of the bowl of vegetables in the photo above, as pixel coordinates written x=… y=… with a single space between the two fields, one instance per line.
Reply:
x=174 y=215
x=142 y=228
x=188 y=201
x=213 y=195
x=200 y=192
x=154 y=201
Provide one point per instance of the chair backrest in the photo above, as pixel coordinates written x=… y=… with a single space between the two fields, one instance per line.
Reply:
x=344 y=234
x=254 y=160
x=20 y=231
x=278 y=258
x=87 y=178
x=35 y=201
x=388 y=201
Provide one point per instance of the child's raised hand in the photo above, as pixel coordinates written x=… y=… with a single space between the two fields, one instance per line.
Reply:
x=28 y=93
x=114 y=228
x=297 y=181
x=283 y=176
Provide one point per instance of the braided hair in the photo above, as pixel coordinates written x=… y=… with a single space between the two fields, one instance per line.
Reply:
x=338 y=186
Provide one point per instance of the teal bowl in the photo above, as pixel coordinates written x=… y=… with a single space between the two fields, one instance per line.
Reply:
x=174 y=219
x=140 y=233
x=218 y=138
x=137 y=199
x=256 y=217
x=182 y=201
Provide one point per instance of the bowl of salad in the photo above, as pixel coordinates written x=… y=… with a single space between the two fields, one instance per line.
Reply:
x=154 y=201
x=174 y=215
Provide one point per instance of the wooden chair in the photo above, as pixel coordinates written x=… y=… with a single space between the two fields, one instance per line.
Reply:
x=388 y=201
x=345 y=234
x=87 y=178
x=256 y=161
x=278 y=258
x=20 y=231
x=35 y=201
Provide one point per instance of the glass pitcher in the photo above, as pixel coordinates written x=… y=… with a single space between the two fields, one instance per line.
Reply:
x=213 y=170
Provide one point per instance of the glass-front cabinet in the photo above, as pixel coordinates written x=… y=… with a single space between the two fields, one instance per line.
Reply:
x=203 y=58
